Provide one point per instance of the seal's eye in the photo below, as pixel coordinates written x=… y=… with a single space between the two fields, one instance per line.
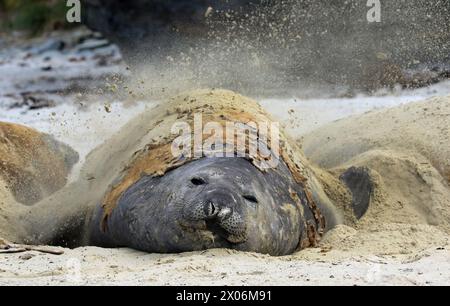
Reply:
x=251 y=198
x=197 y=181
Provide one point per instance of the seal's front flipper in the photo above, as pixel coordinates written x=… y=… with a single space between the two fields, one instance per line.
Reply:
x=359 y=182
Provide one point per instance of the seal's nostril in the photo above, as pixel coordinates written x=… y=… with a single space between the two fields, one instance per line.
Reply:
x=211 y=209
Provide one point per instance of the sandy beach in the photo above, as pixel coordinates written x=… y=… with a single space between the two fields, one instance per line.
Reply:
x=404 y=239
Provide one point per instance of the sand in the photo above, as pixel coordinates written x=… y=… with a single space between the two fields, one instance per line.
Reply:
x=94 y=266
x=403 y=240
x=407 y=150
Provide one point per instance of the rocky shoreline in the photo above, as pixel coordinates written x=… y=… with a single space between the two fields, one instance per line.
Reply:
x=43 y=72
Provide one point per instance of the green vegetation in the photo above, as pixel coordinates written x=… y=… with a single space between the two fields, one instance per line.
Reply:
x=33 y=16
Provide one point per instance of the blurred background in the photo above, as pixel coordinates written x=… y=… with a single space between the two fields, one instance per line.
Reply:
x=260 y=47
x=255 y=46
x=33 y=16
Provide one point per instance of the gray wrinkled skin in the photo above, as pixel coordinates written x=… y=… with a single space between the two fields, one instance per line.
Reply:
x=208 y=203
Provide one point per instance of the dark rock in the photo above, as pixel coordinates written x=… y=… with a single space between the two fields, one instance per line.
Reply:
x=32 y=102
x=47 y=46
x=360 y=184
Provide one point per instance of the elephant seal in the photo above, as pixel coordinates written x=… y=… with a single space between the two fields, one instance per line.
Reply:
x=211 y=203
x=137 y=190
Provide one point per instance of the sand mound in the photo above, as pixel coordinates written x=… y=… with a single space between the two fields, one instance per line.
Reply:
x=394 y=240
x=406 y=149
x=8 y=209
x=421 y=127
x=408 y=190
x=34 y=165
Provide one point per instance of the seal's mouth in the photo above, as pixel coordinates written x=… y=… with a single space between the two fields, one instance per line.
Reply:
x=236 y=237
x=210 y=229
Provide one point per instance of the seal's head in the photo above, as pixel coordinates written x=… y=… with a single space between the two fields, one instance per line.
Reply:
x=209 y=203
